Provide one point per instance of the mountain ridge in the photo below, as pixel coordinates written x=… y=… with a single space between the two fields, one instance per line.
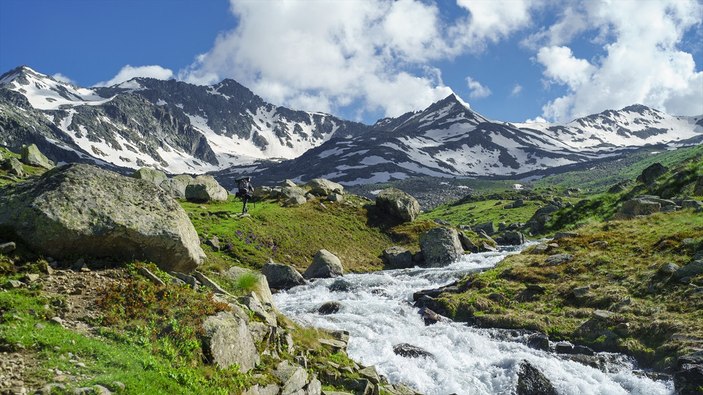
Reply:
x=228 y=130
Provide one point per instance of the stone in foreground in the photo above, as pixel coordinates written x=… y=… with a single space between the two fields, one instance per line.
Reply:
x=228 y=342
x=81 y=210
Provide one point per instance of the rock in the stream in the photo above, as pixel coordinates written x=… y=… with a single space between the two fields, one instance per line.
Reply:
x=440 y=246
x=533 y=382
x=329 y=308
x=324 y=265
x=228 y=341
x=82 y=210
x=410 y=351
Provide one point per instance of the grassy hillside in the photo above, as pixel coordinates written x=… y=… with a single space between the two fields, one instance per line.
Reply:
x=615 y=266
x=292 y=235
x=601 y=176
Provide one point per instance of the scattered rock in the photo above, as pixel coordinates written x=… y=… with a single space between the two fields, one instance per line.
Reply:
x=295 y=200
x=429 y=316
x=33 y=157
x=293 y=377
x=651 y=173
x=323 y=187
x=6 y=248
x=511 y=238
x=668 y=269
x=398 y=204
x=280 y=276
x=689 y=379
x=335 y=198
x=487 y=228
x=533 y=382
x=81 y=210
x=466 y=243
x=11 y=284
x=410 y=351
x=13 y=166
x=213 y=242
x=558 y=259
x=397 y=258
x=638 y=206
x=538 y=341
x=150 y=276
x=440 y=246
x=329 y=308
x=204 y=189
x=261 y=288
x=154 y=176
x=691 y=269
x=538 y=220
x=227 y=341
x=564 y=235
x=692 y=204
x=324 y=265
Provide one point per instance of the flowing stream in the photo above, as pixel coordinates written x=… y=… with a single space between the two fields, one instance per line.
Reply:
x=377 y=311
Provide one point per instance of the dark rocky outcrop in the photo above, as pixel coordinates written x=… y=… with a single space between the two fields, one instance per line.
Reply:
x=440 y=246
x=533 y=382
x=536 y=224
x=651 y=173
x=81 y=210
x=511 y=238
x=280 y=276
x=398 y=205
x=324 y=265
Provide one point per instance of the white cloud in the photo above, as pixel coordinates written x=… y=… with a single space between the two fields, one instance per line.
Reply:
x=373 y=55
x=128 y=72
x=641 y=62
x=476 y=90
x=62 y=78
x=517 y=89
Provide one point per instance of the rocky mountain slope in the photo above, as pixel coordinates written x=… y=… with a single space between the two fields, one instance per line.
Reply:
x=227 y=129
x=448 y=139
x=174 y=126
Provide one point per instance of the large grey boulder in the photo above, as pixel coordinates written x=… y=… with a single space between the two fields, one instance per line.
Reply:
x=398 y=204
x=638 y=206
x=176 y=186
x=280 y=276
x=511 y=238
x=154 y=176
x=440 y=246
x=32 y=156
x=323 y=187
x=292 y=377
x=293 y=196
x=81 y=210
x=324 y=265
x=227 y=341
x=205 y=189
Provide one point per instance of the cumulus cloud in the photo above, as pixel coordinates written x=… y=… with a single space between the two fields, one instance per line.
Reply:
x=476 y=90
x=371 y=55
x=128 y=72
x=641 y=61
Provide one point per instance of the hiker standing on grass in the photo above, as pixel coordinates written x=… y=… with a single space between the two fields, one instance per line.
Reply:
x=245 y=192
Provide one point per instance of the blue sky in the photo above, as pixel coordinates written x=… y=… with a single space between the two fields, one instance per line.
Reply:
x=511 y=60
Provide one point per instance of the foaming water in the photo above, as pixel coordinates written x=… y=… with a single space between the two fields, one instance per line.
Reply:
x=377 y=311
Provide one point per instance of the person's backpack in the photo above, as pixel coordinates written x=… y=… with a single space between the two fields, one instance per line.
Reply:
x=242 y=185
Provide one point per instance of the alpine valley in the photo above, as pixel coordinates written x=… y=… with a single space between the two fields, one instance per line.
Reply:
x=227 y=130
